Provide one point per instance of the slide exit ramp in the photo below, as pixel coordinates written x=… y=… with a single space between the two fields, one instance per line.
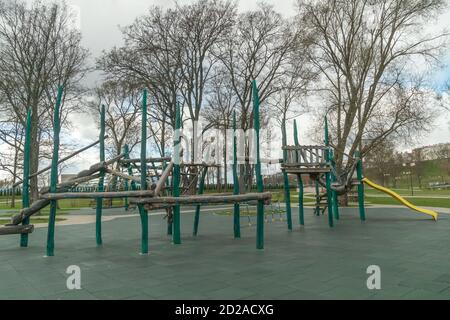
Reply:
x=399 y=198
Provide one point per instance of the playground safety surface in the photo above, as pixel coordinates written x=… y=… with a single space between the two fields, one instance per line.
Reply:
x=313 y=262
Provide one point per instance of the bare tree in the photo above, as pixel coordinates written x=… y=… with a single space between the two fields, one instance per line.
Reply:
x=258 y=48
x=219 y=111
x=380 y=161
x=203 y=27
x=363 y=51
x=39 y=52
x=121 y=101
x=11 y=157
x=151 y=58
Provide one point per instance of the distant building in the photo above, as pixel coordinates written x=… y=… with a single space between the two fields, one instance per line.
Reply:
x=433 y=152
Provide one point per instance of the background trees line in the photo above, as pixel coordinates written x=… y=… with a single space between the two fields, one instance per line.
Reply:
x=350 y=60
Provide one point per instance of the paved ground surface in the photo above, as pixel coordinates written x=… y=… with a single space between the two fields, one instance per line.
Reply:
x=314 y=262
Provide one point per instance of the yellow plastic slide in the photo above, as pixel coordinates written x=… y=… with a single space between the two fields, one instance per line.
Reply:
x=399 y=198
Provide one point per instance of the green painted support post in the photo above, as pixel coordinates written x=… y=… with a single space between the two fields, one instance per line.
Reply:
x=126 y=153
x=359 y=173
x=301 y=209
x=26 y=176
x=142 y=212
x=101 y=180
x=335 y=199
x=328 y=177
x=287 y=191
x=259 y=179
x=236 y=191
x=317 y=209
x=176 y=177
x=54 y=175
x=201 y=190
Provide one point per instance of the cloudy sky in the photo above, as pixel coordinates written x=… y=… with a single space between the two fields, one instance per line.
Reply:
x=100 y=21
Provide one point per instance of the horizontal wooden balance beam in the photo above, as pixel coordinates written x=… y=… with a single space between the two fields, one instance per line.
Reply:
x=306 y=170
x=13 y=229
x=96 y=195
x=149 y=160
x=205 y=199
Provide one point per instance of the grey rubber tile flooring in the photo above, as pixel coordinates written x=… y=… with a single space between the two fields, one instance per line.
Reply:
x=314 y=262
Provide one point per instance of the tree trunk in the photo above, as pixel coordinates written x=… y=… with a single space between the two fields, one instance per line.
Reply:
x=34 y=156
x=343 y=200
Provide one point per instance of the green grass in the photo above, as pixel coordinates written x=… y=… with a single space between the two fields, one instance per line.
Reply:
x=417 y=192
x=421 y=202
x=66 y=204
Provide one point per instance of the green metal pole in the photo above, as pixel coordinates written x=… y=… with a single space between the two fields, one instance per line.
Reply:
x=142 y=212
x=176 y=178
x=359 y=173
x=236 y=191
x=334 y=193
x=317 y=209
x=328 y=177
x=201 y=190
x=126 y=153
x=54 y=175
x=301 y=209
x=26 y=176
x=287 y=191
x=259 y=180
x=99 y=201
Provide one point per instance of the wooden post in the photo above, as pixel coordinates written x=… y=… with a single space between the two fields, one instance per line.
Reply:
x=359 y=173
x=201 y=189
x=236 y=191
x=101 y=180
x=287 y=191
x=142 y=211
x=301 y=209
x=167 y=184
x=259 y=180
x=54 y=175
x=334 y=193
x=26 y=174
x=176 y=177
x=328 y=177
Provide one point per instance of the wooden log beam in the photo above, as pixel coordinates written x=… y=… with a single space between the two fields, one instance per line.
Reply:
x=13 y=229
x=164 y=176
x=95 y=195
x=70 y=184
x=61 y=161
x=128 y=161
x=27 y=212
x=205 y=199
x=122 y=175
